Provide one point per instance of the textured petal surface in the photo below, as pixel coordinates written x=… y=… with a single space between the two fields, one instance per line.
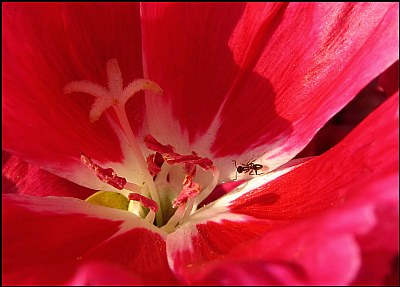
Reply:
x=366 y=101
x=46 y=46
x=64 y=233
x=273 y=74
x=21 y=177
x=318 y=250
x=307 y=218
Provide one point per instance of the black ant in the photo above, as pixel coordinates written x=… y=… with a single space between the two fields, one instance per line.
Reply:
x=248 y=167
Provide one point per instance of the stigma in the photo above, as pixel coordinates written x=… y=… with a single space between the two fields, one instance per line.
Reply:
x=174 y=184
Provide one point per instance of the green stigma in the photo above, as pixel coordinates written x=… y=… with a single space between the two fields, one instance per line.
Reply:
x=109 y=199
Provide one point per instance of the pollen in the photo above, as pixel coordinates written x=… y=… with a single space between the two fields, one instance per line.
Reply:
x=166 y=187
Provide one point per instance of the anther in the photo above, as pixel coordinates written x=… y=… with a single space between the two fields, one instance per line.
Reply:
x=146 y=202
x=106 y=175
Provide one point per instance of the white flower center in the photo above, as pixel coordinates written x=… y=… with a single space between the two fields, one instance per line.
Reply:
x=161 y=199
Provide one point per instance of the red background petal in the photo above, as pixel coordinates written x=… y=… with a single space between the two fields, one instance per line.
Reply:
x=21 y=177
x=48 y=45
x=65 y=233
x=306 y=217
x=283 y=69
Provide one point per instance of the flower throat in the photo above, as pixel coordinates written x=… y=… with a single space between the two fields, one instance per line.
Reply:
x=169 y=192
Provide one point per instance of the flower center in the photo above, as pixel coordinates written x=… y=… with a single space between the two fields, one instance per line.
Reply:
x=172 y=185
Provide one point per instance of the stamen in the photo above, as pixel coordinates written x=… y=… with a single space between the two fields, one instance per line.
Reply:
x=115 y=96
x=155 y=145
x=154 y=169
x=171 y=157
x=190 y=189
x=106 y=175
x=188 y=210
x=140 y=160
x=175 y=219
x=146 y=202
x=132 y=187
x=150 y=216
x=204 y=162
x=207 y=191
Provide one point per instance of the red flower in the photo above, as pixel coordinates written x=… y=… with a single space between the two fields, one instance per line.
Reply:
x=223 y=83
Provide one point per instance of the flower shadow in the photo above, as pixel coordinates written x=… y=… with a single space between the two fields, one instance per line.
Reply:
x=208 y=84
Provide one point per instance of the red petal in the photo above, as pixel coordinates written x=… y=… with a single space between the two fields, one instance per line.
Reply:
x=366 y=101
x=306 y=218
x=66 y=232
x=140 y=251
x=277 y=71
x=369 y=151
x=380 y=246
x=317 y=250
x=102 y=274
x=71 y=273
x=23 y=178
x=40 y=122
x=283 y=271
x=325 y=251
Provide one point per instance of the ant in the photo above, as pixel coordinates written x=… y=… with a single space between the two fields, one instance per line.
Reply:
x=248 y=167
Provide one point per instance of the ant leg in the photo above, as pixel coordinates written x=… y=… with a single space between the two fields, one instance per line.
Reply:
x=234 y=161
x=258 y=173
x=255 y=172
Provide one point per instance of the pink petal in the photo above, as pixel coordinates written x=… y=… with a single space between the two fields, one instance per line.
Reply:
x=66 y=232
x=23 y=178
x=283 y=271
x=380 y=246
x=300 y=227
x=263 y=76
x=325 y=251
x=41 y=124
x=317 y=250
x=307 y=254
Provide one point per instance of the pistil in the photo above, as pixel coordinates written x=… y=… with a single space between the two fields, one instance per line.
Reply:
x=155 y=168
x=116 y=97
